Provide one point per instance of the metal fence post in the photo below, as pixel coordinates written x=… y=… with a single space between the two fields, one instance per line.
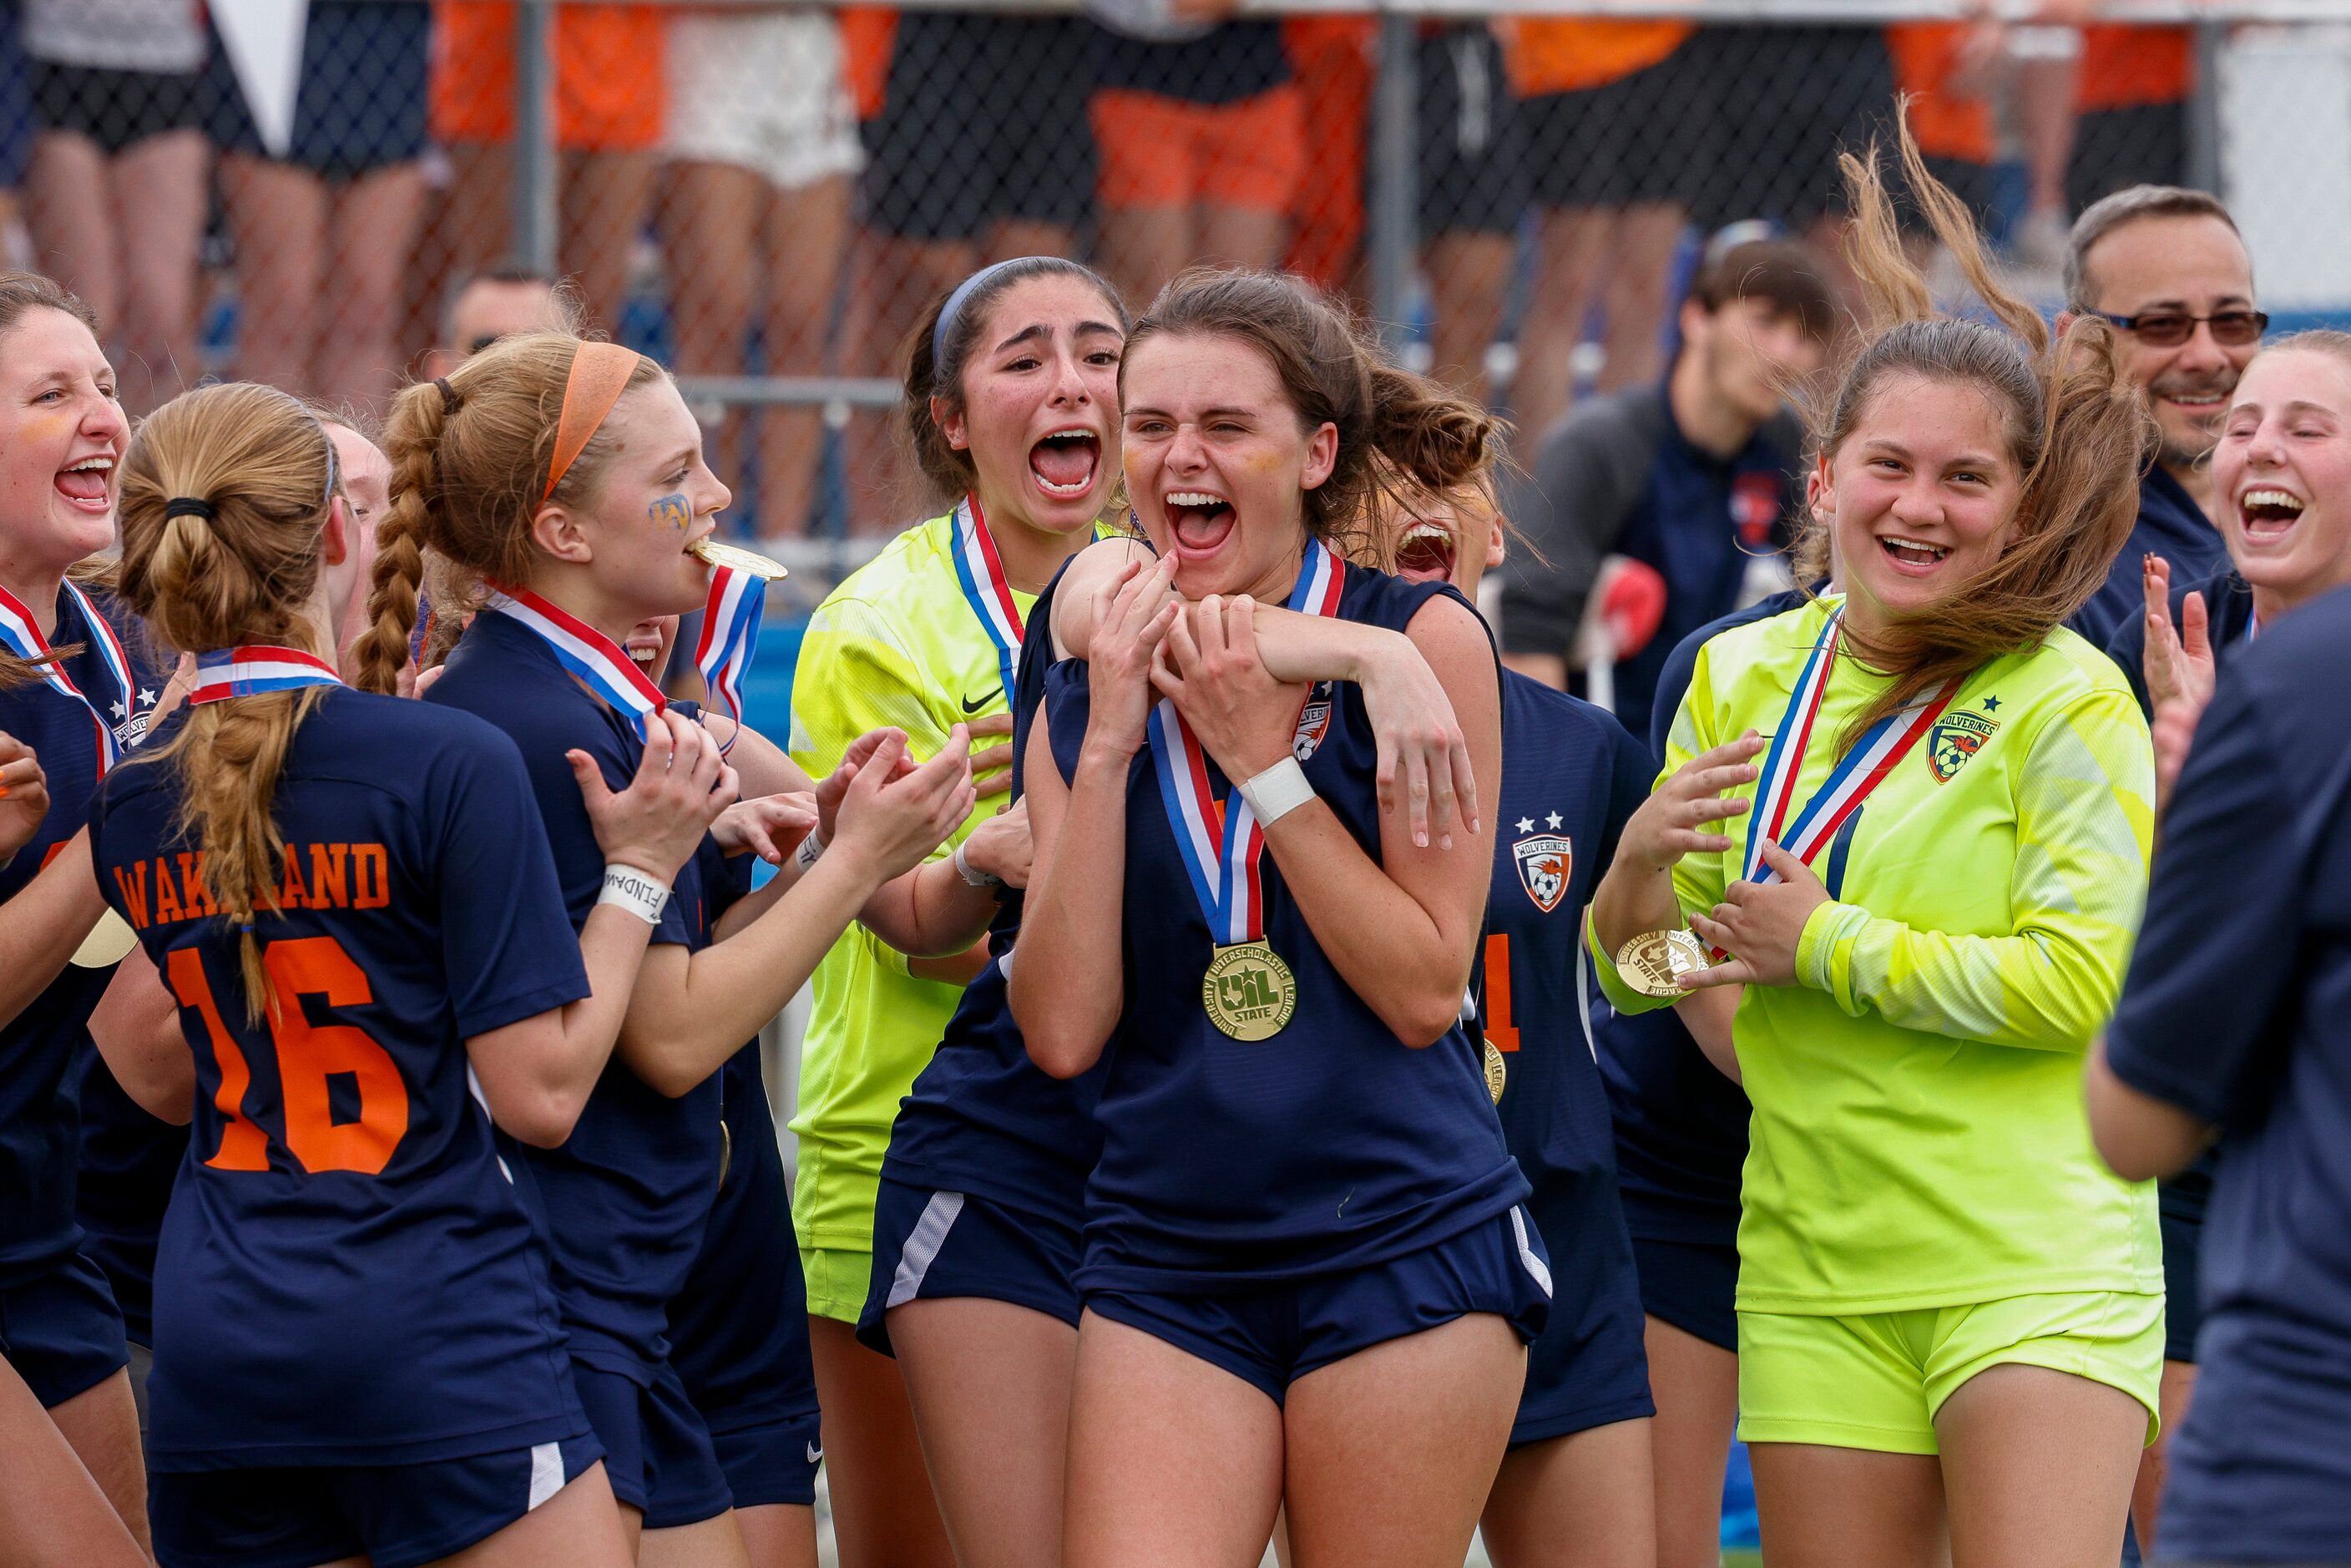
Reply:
x=535 y=173
x=1394 y=176
x=2203 y=169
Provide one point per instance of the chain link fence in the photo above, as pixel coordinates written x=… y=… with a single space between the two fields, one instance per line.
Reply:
x=765 y=196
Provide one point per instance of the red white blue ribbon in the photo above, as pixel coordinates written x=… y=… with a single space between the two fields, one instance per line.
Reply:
x=1222 y=844
x=252 y=668
x=21 y=635
x=980 y=573
x=587 y=653
x=1860 y=771
x=730 y=635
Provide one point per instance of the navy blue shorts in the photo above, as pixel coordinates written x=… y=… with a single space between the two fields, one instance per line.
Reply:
x=360 y=102
x=1690 y=1285
x=771 y=1461
x=929 y=1244
x=2183 y=1304
x=397 y=1516
x=1272 y=1335
x=657 y=1449
x=61 y=1331
x=1588 y=1368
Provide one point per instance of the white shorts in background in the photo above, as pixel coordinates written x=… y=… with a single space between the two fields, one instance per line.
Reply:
x=762 y=90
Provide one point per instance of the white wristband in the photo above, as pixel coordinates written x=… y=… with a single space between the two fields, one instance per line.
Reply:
x=635 y=892
x=810 y=848
x=1278 y=792
x=972 y=874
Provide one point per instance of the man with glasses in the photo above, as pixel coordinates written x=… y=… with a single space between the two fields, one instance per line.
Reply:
x=2166 y=267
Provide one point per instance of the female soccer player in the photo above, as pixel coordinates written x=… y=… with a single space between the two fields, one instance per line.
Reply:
x=1576 y=1485
x=75 y=691
x=1011 y=402
x=1950 y=1316
x=358 y=1351
x=569 y=477
x=1302 y=1231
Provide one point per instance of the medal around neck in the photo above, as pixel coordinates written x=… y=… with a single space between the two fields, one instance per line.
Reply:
x=1497 y=1073
x=1651 y=961
x=743 y=560
x=1248 y=992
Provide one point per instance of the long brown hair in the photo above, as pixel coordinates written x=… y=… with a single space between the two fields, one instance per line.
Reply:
x=1332 y=371
x=22 y=293
x=2076 y=425
x=468 y=467
x=264 y=464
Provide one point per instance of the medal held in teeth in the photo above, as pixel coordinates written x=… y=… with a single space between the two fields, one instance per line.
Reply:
x=743 y=560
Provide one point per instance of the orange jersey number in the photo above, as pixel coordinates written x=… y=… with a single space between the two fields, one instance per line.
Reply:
x=307 y=1054
x=1502 y=1024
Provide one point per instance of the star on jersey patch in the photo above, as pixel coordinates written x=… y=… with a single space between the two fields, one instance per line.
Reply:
x=1545 y=862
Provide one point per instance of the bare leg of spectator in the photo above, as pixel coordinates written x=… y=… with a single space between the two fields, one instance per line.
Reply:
x=1143 y=247
x=1640 y=269
x=1026 y=236
x=73 y=238
x=160 y=191
x=603 y=206
x=710 y=215
x=277 y=225
x=894 y=279
x=1241 y=236
x=1468 y=278
x=1573 y=247
x=370 y=241
x=476 y=218
x=806 y=231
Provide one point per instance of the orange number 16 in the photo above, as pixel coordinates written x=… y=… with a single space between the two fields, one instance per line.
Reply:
x=1502 y=1024
x=307 y=1054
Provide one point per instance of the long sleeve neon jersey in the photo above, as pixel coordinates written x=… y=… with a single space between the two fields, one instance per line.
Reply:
x=1919 y=1138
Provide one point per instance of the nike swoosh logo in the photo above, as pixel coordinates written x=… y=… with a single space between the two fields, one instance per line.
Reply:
x=970 y=707
x=814 y=1453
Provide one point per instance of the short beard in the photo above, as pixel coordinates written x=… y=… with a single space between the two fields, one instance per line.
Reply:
x=2176 y=457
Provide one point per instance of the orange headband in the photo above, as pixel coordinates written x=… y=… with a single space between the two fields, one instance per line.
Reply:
x=599 y=374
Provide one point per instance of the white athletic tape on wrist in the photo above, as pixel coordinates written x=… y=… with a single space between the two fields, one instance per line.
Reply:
x=810 y=848
x=972 y=874
x=1278 y=792
x=634 y=891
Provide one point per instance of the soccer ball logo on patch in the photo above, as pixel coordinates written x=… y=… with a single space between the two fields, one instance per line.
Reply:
x=1313 y=722
x=1545 y=861
x=1957 y=736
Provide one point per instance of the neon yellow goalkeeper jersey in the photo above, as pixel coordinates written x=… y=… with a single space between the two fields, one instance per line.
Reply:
x=1919 y=1138
x=896 y=644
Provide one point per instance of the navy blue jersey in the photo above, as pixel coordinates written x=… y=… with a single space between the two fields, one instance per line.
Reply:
x=1331 y=1145
x=2171 y=525
x=2237 y=1010
x=128 y=1162
x=347 y=1274
x=1681 y=1126
x=982 y=1118
x=626 y=1196
x=39 y=1125
x=1571 y=776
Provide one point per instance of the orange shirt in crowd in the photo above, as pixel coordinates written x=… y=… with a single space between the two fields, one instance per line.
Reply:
x=1948 y=123
x=610 y=91
x=1553 y=54
x=868 y=34
x=2132 y=67
x=1332 y=58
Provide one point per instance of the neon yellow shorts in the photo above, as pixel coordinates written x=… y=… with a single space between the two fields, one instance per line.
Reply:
x=838 y=1281
x=1876 y=1381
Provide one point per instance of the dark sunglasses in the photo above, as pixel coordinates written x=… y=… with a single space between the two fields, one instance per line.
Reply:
x=2168 y=330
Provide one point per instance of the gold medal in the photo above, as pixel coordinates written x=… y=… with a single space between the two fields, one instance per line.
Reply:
x=726 y=1151
x=109 y=942
x=1651 y=961
x=1497 y=1074
x=717 y=554
x=1249 y=991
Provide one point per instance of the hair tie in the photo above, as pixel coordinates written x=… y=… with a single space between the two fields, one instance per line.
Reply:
x=188 y=507
x=448 y=396
x=600 y=373
x=962 y=295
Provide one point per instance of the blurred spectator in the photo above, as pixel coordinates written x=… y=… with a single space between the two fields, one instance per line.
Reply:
x=2132 y=99
x=1948 y=69
x=115 y=191
x=1331 y=55
x=1693 y=482
x=762 y=143
x=980 y=149
x=611 y=95
x=15 y=132
x=2045 y=56
x=1203 y=136
x=1473 y=188
x=488 y=306
x=324 y=238
x=2168 y=267
x=1615 y=126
